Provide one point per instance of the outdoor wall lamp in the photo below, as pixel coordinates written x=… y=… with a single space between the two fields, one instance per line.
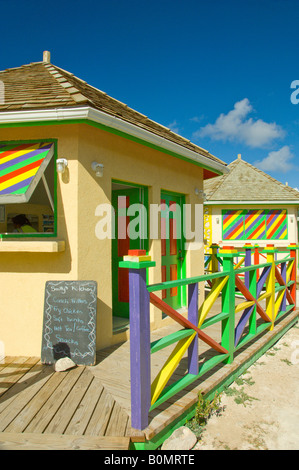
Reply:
x=98 y=168
x=200 y=193
x=61 y=164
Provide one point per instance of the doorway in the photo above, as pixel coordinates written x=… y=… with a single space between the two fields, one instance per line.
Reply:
x=123 y=197
x=172 y=247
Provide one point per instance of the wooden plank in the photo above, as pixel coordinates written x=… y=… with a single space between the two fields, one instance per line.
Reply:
x=45 y=404
x=118 y=422
x=14 y=371
x=81 y=417
x=6 y=361
x=27 y=441
x=101 y=415
x=134 y=434
x=65 y=412
x=20 y=395
x=23 y=391
x=33 y=406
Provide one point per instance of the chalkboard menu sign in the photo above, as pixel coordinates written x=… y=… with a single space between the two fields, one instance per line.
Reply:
x=69 y=328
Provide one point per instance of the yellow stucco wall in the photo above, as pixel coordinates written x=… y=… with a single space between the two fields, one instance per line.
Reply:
x=79 y=192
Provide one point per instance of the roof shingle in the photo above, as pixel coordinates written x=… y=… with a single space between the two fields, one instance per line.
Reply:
x=244 y=182
x=42 y=85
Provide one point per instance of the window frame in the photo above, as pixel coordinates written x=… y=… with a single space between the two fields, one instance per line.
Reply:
x=46 y=235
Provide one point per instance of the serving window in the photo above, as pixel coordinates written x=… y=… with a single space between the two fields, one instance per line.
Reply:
x=28 y=189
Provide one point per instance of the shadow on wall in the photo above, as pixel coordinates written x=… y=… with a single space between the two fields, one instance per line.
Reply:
x=28 y=263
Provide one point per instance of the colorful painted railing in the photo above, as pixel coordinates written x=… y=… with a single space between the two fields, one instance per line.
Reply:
x=272 y=283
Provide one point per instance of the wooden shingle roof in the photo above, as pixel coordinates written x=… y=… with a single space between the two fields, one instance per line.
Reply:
x=244 y=182
x=42 y=85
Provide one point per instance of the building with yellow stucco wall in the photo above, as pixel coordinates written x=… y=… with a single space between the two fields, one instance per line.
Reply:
x=247 y=205
x=63 y=120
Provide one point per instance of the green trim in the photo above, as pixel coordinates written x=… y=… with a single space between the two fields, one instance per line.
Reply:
x=170 y=339
x=38 y=234
x=185 y=282
x=117 y=132
x=252 y=268
x=133 y=265
x=214 y=319
x=158 y=440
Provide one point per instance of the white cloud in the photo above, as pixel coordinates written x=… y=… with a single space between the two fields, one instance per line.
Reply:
x=197 y=118
x=236 y=126
x=278 y=160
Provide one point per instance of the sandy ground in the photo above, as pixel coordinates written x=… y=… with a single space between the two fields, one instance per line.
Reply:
x=261 y=410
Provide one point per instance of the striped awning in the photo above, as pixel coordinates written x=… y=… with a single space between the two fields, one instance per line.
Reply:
x=21 y=168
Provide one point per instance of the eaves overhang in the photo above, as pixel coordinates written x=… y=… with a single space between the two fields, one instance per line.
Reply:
x=109 y=122
x=252 y=203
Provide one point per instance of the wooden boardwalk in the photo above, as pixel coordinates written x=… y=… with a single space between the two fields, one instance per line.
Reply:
x=89 y=407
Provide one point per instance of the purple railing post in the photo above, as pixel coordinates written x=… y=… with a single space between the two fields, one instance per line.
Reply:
x=139 y=348
x=193 y=317
x=248 y=249
x=139 y=304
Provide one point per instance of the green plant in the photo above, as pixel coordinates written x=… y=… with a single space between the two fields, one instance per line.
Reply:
x=287 y=362
x=243 y=380
x=204 y=410
x=240 y=396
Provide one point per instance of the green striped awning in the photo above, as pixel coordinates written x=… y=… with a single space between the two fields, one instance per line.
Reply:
x=21 y=168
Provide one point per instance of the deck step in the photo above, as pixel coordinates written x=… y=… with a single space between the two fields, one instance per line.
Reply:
x=33 y=441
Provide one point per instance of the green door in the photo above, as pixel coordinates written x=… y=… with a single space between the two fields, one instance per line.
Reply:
x=124 y=241
x=172 y=247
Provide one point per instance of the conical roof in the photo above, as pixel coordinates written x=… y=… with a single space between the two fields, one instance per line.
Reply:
x=245 y=182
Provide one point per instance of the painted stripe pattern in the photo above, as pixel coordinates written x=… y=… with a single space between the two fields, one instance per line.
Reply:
x=19 y=165
x=233 y=225
x=277 y=224
x=255 y=227
x=254 y=224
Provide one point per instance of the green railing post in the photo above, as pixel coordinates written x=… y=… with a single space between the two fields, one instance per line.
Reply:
x=292 y=247
x=270 y=284
x=228 y=302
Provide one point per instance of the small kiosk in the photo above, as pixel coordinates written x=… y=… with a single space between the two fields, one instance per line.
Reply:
x=74 y=161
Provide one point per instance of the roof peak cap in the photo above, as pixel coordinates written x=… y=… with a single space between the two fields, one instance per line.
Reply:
x=46 y=57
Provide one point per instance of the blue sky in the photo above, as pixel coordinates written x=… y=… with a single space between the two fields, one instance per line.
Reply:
x=217 y=72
